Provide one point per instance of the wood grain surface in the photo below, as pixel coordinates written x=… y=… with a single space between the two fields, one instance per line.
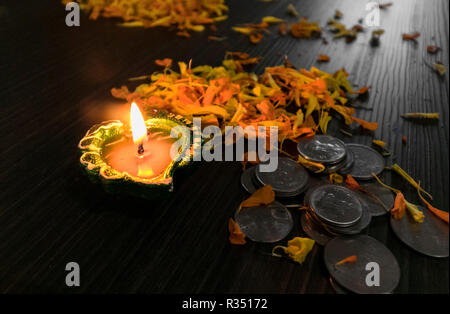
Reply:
x=55 y=84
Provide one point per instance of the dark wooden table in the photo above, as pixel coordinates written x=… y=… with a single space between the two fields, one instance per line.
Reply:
x=55 y=84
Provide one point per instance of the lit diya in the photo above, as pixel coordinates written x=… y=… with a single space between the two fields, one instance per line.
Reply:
x=136 y=159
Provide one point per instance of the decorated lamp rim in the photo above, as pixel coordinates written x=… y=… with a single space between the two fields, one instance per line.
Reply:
x=92 y=144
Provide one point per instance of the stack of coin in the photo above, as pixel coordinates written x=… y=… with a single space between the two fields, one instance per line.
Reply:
x=327 y=150
x=334 y=210
x=360 y=161
x=288 y=180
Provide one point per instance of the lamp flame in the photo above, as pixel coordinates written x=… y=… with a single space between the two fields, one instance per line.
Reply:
x=138 y=128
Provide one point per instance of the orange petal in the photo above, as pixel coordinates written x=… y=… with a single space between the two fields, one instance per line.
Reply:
x=352 y=184
x=363 y=90
x=255 y=38
x=346 y=112
x=121 y=93
x=166 y=62
x=323 y=58
x=236 y=236
x=304 y=132
x=184 y=34
x=262 y=196
x=384 y=6
x=433 y=49
x=399 y=209
x=350 y=259
x=411 y=36
x=371 y=126
x=439 y=213
x=283 y=29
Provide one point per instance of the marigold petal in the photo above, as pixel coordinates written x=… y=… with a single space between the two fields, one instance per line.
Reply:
x=262 y=196
x=236 y=236
x=350 y=259
x=371 y=126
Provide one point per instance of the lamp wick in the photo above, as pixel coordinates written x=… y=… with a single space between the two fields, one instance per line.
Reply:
x=141 y=149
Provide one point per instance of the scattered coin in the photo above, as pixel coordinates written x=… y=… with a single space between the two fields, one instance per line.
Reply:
x=336 y=205
x=377 y=194
x=338 y=288
x=366 y=161
x=353 y=276
x=247 y=180
x=323 y=149
x=266 y=224
x=288 y=180
x=429 y=238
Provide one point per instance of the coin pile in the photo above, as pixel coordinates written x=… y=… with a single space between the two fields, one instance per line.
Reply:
x=334 y=210
x=327 y=150
x=288 y=180
x=335 y=215
x=358 y=160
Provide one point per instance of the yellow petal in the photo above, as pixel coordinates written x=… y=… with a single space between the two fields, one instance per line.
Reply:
x=421 y=115
x=291 y=9
x=379 y=143
x=408 y=178
x=297 y=249
x=323 y=122
x=243 y=30
x=271 y=20
x=313 y=104
x=440 y=68
x=313 y=166
x=336 y=178
x=416 y=214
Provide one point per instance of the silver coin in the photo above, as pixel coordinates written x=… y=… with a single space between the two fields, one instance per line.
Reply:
x=366 y=161
x=313 y=230
x=429 y=238
x=338 y=288
x=357 y=228
x=336 y=205
x=344 y=165
x=247 y=180
x=266 y=224
x=352 y=276
x=315 y=182
x=323 y=149
x=377 y=194
x=289 y=179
